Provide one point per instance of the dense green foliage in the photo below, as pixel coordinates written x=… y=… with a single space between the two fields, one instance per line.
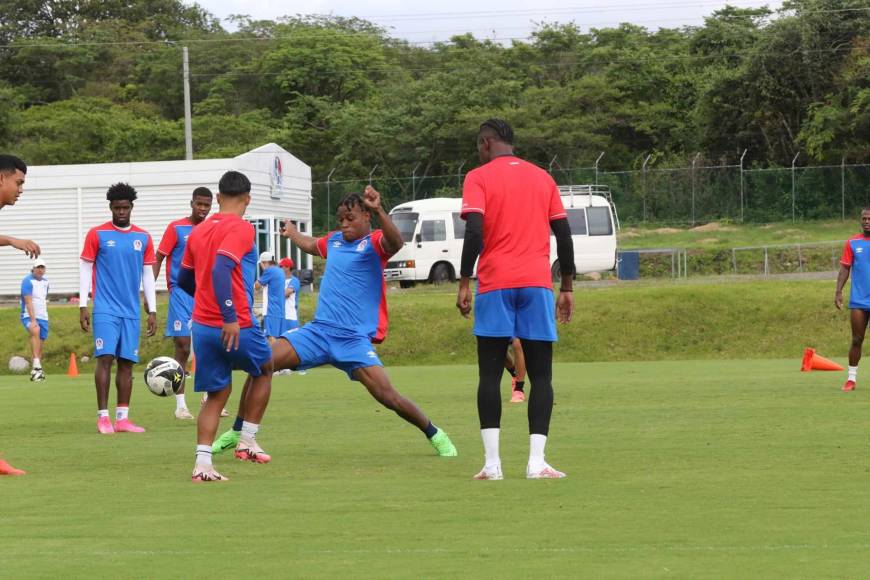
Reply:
x=703 y=469
x=101 y=81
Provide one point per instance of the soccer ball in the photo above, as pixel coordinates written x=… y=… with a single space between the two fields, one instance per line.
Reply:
x=164 y=376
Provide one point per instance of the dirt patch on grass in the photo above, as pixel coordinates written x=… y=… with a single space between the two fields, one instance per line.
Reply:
x=713 y=227
x=709 y=241
x=667 y=231
x=628 y=234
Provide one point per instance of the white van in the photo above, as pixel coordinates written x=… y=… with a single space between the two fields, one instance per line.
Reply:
x=433 y=233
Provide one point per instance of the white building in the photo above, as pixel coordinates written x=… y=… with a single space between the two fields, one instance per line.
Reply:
x=61 y=203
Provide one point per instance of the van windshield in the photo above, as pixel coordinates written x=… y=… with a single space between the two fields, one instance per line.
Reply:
x=407 y=223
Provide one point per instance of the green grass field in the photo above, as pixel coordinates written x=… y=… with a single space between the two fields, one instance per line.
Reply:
x=701 y=469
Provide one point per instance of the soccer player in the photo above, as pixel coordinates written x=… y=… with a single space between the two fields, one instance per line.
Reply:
x=272 y=281
x=510 y=206
x=34 y=314
x=856 y=261
x=291 y=294
x=178 y=318
x=351 y=312
x=12 y=175
x=515 y=365
x=117 y=259
x=219 y=268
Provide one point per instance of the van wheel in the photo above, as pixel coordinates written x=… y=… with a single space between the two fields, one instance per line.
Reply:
x=556 y=272
x=440 y=274
x=406 y=283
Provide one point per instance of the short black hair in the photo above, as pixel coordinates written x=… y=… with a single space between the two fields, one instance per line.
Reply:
x=500 y=128
x=121 y=191
x=9 y=163
x=351 y=200
x=202 y=192
x=234 y=183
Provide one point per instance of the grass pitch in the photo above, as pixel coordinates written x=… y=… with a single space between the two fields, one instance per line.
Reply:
x=697 y=469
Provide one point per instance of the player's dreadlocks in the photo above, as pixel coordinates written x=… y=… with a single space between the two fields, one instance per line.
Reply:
x=121 y=191
x=500 y=128
x=351 y=200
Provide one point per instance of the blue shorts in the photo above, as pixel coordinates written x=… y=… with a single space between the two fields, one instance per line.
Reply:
x=43 y=327
x=274 y=326
x=318 y=344
x=290 y=324
x=215 y=366
x=178 y=317
x=528 y=313
x=116 y=336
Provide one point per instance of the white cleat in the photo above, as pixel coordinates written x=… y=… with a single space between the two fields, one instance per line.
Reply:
x=206 y=474
x=490 y=474
x=183 y=414
x=545 y=472
x=37 y=375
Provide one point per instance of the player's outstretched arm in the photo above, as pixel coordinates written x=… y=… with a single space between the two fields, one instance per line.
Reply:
x=305 y=243
x=29 y=247
x=392 y=241
x=841 y=282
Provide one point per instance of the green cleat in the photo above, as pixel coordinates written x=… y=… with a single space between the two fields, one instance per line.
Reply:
x=228 y=440
x=443 y=445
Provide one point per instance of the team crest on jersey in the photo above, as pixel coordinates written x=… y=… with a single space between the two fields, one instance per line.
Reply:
x=176 y=325
x=111 y=243
x=137 y=245
x=99 y=343
x=362 y=245
x=336 y=244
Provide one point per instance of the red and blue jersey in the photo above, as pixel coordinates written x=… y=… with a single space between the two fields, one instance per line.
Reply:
x=856 y=254
x=353 y=296
x=226 y=235
x=172 y=246
x=119 y=256
x=518 y=201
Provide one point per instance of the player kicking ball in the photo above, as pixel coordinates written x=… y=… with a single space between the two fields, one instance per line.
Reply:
x=218 y=269
x=351 y=312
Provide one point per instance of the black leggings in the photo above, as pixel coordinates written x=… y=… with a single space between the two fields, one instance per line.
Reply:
x=539 y=366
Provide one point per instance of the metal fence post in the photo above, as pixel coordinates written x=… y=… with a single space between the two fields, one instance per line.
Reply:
x=642 y=183
x=414 y=181
x=694 y=161
x=843 y=187
x=372 y=172
x=328 y=200
x=741 y=183
x=459 y=175
x=793 y=161
x=596 y=167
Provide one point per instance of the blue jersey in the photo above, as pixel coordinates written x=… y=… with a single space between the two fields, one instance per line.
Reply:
x=291 y=304
x=856 y=254
x=353 y=292
x=38 y=292
x=172 y=246
x=272 y=279
x=119 y=256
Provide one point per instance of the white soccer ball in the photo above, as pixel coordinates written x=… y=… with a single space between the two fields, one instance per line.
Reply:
x=18 y=364
x=164 y=376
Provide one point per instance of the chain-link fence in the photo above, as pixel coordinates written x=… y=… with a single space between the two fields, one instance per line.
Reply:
x=683 y=195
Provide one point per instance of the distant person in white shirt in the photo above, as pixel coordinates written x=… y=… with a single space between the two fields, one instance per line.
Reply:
x=291 y=294
x=34 y=314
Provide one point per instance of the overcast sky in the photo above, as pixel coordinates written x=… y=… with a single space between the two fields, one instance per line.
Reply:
x=497 y=19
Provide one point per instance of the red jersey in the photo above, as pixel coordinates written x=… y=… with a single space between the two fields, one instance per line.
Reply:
x=518 y=201
x=230 y=236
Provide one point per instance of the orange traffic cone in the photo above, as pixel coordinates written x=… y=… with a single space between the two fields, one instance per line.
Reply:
x=814 y=362
x=193 y=364
x=73 y=369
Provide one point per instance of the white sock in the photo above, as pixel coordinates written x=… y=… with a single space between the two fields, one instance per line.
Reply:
x=121 y=413
x=180 y=403
x=853 y=373
x=536 y=450
x=249 y=431
x=490 y=447
x=37 y=364
x=102 y=413
x=203 y=455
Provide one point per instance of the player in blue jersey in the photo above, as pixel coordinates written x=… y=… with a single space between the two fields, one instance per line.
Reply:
x=116 y=261
x=351 y=312
x=856 y=261
x=272 y=281
x=13 y=172
x=178 y=317
x=34 y=314
x=291 y=294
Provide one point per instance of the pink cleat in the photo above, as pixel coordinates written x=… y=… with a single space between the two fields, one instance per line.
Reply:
x=104 y=426
x=518 y=397
x=6 y=469
x=489 y=474
x=251 y=452
x=545 y=472
x=127 y=426
x=206 y=474
x=849 y=386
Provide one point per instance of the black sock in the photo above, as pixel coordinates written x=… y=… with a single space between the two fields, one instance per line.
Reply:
x=237 y=425
x=430 y=430
x=520 y=386
x=490 y=366
x=539 y=365
x=512 y=372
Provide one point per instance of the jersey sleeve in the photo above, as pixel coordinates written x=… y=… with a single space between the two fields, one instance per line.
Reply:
x=846 y=258
x=557 y=210
x=26 y=287
x=322 y=245
x=187 y=257
x=168 y=241
x=91 y=247
x=473 y=195
x=237 y=243
x=149 y=258
x=378 y=244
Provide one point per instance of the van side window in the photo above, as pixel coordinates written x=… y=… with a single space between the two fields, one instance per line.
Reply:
x=433 y=231
x=458 y=227
x=577 y=221
x=599 y=222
